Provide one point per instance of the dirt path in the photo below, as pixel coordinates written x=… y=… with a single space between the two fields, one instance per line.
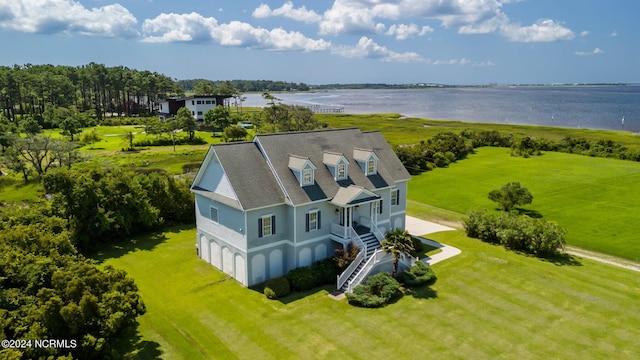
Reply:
x=582 y=253
x=603 y=258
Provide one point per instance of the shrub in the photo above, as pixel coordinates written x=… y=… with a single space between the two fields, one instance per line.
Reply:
x=277 y=288
x=344 y=258
x=419 y=274
x=325 y=270
x=418 y=246
x=377 y=291
x=303 y=278
x=516 y=232
x=361 y=297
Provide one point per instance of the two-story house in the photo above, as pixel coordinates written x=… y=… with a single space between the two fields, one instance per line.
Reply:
x=197 y=105
x=286 y=200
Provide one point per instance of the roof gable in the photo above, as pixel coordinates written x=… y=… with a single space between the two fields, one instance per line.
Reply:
x=246 y=172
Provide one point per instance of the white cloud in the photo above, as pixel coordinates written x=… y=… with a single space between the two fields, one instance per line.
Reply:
x=485 y=64
x=544 y=30
x=287 y=10
x=66 y=17
x=367 y=48
x=462 y=61
x=404 y=31
x=584 y=33
x=350 y=17
x=195 y=27
x=614 y=34
x=596 y=51
x=468 y=16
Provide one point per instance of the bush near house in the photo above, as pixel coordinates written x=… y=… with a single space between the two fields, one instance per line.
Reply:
x=308 y=277
x=377 y=291
x=277 y=288
x=418 y=275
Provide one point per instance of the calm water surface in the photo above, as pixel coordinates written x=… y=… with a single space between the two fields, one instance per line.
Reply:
x=593 y=107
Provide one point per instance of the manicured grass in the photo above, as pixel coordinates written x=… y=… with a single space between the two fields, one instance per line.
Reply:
x=487 y=303
x=399 y=130
x=14 y=189
x=595 y=199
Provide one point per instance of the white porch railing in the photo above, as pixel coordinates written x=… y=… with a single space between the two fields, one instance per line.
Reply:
x=373 y=260
x=377 y=233
x=342 y=278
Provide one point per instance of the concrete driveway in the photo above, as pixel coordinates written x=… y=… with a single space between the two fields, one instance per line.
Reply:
x=419 y=228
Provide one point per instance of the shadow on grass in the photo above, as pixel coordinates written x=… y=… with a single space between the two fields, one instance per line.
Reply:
x=132 y=346
x=295 y=295
x=141 y=242
x=564 y=260
x=530 y=213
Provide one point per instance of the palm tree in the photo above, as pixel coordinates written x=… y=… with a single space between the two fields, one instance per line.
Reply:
x=396 y=242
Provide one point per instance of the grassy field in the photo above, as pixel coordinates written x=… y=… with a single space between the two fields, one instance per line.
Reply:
x=595 y=199
x=487 y=303
x=401 y=130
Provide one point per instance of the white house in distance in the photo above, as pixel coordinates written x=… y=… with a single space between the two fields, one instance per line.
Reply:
x=197 y=104
x=286 y=200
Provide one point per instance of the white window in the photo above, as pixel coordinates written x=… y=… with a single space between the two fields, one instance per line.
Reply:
x=266 y=225
x=313 y=220
x=213 y=214
x=371 y=167
x=199 y=102
x=307 y=176
x=342 y=172
x=395 y=197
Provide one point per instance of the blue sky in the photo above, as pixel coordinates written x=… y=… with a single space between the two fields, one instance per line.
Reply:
x=340 y=41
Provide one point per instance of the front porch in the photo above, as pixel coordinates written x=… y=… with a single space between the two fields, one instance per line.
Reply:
x=357 y=210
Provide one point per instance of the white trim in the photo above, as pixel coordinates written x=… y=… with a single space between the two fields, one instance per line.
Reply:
x=398 y=213
x=256 y=140
x=316 y=212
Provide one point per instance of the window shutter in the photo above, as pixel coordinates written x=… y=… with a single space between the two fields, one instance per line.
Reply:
x=260 y=227
x=380 y=207
x=273 y=224
x=319 y=222
x=307 y=223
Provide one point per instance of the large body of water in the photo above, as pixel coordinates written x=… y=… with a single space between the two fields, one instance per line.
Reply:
x=593 y=107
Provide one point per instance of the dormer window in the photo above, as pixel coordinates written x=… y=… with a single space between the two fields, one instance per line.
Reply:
x=307 y=176
x=371 y=166
x=337 y=164
x=367 y=160
x=342 y=172
x=303 y=169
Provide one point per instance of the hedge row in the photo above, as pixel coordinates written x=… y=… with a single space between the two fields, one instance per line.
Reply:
x=516 y=232
x=163 y=141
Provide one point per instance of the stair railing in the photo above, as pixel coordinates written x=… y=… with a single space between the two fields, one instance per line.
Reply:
x=342 y=278
x=362 y=255
x=373 y=260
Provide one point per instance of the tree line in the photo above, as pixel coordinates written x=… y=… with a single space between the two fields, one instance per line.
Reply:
x=248 y=85
x=30 y=90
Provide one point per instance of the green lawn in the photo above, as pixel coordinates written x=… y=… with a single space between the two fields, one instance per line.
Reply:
x=487 y=303
x=400 y=130
x=595 y=199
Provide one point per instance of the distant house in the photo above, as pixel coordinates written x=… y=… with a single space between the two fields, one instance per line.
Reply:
x=197 y=104
x=287 y=200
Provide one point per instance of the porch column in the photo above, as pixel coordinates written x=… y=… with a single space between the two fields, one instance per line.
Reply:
x=344 y=221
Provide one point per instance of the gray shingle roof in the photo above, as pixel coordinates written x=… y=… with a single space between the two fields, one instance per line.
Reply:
x=313 y=144
x=249 y=174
